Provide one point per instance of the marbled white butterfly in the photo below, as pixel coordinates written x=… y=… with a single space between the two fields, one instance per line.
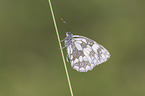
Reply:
x=84 y=53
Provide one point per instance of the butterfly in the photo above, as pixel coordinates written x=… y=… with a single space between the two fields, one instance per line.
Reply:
x=83 y=53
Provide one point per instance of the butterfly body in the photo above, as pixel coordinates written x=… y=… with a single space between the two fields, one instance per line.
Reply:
x=83 y=53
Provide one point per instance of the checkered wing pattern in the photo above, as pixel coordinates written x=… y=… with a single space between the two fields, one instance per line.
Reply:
x=84 y=53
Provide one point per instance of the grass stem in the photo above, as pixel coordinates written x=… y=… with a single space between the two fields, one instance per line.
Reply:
x=57 y=33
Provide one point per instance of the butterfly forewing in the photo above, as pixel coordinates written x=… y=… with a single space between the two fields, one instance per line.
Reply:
x=84 y=53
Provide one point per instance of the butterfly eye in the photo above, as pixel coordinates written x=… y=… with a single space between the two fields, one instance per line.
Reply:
x=68 y=34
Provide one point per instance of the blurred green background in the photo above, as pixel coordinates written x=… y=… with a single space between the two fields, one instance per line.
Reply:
x=30 y=59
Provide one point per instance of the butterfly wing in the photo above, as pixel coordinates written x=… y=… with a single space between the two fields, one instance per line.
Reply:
x=84 y=53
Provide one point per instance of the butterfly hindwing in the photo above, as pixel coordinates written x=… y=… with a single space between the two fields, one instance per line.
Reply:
x=84 y=53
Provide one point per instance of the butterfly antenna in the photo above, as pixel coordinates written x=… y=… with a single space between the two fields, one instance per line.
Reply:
x=65 y=24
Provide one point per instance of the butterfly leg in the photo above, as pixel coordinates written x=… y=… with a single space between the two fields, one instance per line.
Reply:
x=62 y=40
x=63 y=47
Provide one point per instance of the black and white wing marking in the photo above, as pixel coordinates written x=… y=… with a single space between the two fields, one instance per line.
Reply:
x=84 y=53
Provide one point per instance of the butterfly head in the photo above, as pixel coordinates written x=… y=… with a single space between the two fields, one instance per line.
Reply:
x=68 y=34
